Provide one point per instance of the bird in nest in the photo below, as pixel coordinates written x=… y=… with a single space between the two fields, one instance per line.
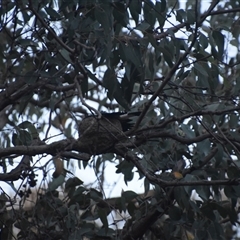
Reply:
x=98 y=135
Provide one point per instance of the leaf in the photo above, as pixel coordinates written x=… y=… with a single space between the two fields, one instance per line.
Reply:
x=233 y=172
x=110 y=82
x=114 y=89
x=191 y=16
x=184 y=75
x=80 y=196
x=120 y=14
x=84 y=86
x=175 y=213
x=204 y=147
x=55 y=183
x=73 y=182
x=95 y=195
x=103 y=14
x=219 y=40
x=182 y=197
x=132 y=53
x=146 y=185
x=163 y=5
x=181 y=15
x=125 y=167
x=54 y=15
x=189 y=235
x=187 y=130
x=129 y=195
x=161 y=12
x=135 y=10
x=66 y=55
x=143 y=26
x=92 y=76
x=177 y=175
x=149 y=12
x=189 y=178
x=208 y=211
x=119 y=97
x=15 y=140
x=167 y=56
x=106 y=235
x=25 y=124
x=230 y=192
x=3 y=198
x=203 y=41
x=223 y=208
x=203 y=192
x=27 y=42
x=81 y=232
x=24 y=137
x=131 y=208
x=103 y=217
x=79 y=191
x=212 y=107
x=31 y=128
x=30 y=78
x=200 y=69
x=233 y=121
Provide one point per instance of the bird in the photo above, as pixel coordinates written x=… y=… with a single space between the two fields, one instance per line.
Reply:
x=98 y=135
x=125 y=118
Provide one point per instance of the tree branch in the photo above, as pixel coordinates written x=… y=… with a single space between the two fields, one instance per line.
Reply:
x=53 y=148
x=155 y=179
x=56 y=148
x=203 y=163
x=50 y=30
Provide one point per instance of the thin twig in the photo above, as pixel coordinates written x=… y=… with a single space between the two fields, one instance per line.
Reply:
x=99 y=115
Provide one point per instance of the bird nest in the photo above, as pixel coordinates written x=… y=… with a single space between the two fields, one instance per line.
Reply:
x=98 y=136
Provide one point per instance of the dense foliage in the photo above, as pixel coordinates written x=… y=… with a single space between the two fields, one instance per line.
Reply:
x=175 y=62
